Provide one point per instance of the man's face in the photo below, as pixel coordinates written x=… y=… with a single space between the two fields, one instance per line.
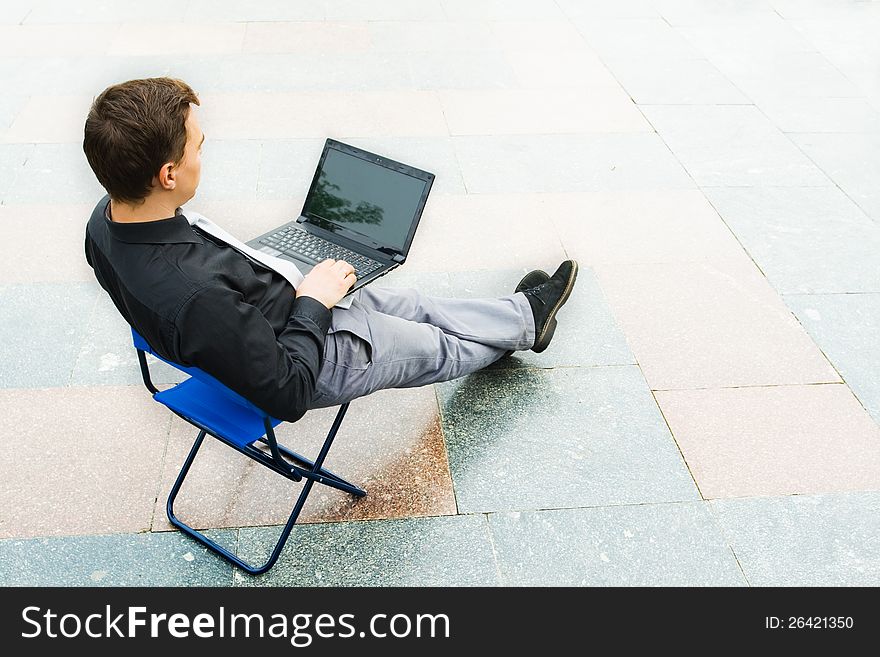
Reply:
x=188 y=171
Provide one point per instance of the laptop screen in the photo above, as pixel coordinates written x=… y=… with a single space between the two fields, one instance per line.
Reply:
x=365 y=197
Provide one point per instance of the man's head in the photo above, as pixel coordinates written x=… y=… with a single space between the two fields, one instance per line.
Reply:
x=142 y=137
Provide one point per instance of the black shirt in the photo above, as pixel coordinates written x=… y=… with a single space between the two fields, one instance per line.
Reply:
x=199 y=302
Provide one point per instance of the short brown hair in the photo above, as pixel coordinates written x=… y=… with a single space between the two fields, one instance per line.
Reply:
x=133 y=128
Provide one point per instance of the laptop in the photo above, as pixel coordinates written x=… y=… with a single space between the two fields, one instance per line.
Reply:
x=362 y=208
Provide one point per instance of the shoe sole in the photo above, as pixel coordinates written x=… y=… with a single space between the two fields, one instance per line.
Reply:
x=543 y=340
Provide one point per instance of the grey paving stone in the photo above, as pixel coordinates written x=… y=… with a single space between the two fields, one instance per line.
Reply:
x=847 y=329
x=101 y=11
x=805 y=540
x=10 y=104
x=383 y=10
x=13 y=158
x=223 y=11
x=150 y=559
x=42 y=329
x=438 y=551
x=662 y=81
x=107 y=357
x=804 y=239
x=13 y=13
x=507 y=10
x=287 y=167
x=851 y=161
x=230 y=170
x=732 y=145
x=526 y=439
x=55 y=173
x=650 y=545
x=561 y=163
x=634 y=37
x=460 y=70
x=280 y=72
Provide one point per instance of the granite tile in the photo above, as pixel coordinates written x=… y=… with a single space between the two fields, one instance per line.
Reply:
x=55 y=173
x=382 y=10
x=287 y=167
x=391 y=445
x=663 y=81
x=53 y=40
x=573 y=68
x=58 y=229
x=102 y=11
x=501 y=9
x=459 y=70
x=805 y=240
x=34 y=350
x=452 y=551
x=686 y=12
x=847 y=328
x=107 y=356
x=317 y=115
x=694 y=325
x=91 y=465
x=562 y=163
x=546 y=34
x=603 y=9
x=640 y=226
x=50 y=119
x=230 y=170
x=229 y=11
x=851 y=161
x=442 y=36
x=733 y=145
x=541 y=111
x=139 y=39
x=314 y=36
x=13 y=14
x=649 y=545
x=796 y=114
x=634 y=37
x=10 y=106
x=523 y=439
x=467 y=232
x=778 y=440
x=752 y=35
x=809 y=540
x=13 y=158
x=114 y=560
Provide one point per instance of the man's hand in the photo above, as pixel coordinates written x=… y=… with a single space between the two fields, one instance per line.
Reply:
x=328 y=282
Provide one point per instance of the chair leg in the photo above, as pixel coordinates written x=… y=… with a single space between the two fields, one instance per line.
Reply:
x=315 y=473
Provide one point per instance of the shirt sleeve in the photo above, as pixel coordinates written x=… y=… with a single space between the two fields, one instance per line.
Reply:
x=221 y=334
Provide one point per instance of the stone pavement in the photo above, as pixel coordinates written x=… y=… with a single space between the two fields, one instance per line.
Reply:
x=708 y=413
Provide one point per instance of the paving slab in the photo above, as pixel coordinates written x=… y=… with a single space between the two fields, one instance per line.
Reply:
x=567 y=163
x=804 y=239
x=390 y=444
x=43 y=327
x=821 y=114
x=671 y=81
x=453 y=551
x=850 y=160
x=776 y=440
x=805 y=540
x=720 y=324
x=523 y=439
x=846 y=327
x=732 y=145
x=90 y=466
x=646 y=545
x=115 y=560
x=55 y=173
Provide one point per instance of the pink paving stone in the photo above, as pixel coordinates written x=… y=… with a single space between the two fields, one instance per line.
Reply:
x=778 y=440
x=390 y=444
x=704 y=325
x=79 y=460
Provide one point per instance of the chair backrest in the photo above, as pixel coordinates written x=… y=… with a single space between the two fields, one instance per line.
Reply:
x=141 y=344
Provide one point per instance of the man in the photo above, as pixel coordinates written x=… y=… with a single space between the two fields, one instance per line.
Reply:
x=200 y=300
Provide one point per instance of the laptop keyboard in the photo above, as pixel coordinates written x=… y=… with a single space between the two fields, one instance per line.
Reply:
x=296 y=242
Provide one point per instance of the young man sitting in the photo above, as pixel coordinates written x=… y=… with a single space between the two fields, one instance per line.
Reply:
x=200 y=300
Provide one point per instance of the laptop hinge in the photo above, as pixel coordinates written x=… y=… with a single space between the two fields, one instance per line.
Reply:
x=398 y=257
x=394 y=255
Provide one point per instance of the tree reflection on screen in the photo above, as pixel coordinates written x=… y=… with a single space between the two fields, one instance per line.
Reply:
x=327 y=205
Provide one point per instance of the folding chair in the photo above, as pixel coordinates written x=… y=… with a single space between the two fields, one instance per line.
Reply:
x=218 y=411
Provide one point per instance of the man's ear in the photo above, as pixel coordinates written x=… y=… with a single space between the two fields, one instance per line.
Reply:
x=167 y=176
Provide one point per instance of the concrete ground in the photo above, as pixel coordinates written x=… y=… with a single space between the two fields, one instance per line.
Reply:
x=708 y=412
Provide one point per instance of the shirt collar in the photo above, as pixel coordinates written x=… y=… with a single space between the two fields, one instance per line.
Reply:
x=173 y=230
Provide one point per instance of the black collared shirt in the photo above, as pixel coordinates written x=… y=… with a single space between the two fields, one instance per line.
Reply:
x=199 y=302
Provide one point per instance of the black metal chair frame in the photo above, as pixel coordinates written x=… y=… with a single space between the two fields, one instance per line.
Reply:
x=279 y=459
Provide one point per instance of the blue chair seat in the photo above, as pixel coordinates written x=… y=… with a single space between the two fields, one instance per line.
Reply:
x=215 y=411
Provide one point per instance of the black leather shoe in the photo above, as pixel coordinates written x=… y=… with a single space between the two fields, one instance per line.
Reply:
x=534 y=278
x=546 y=300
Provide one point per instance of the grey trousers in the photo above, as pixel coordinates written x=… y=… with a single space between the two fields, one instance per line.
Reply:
x=399 y=338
